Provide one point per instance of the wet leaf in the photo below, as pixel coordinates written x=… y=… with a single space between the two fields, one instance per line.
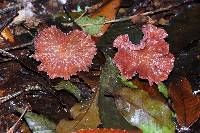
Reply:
x=126 y=82
x=185 y=104
x=94 y=24
x=140 y=110
x=163 y=89
x=24 y=128
x=163 y=21
x=7 y=35
x=110 y=116
x=8 y=120
x=38 y=123
x=183 y=29
x=103 y=130
x=69 y=87
x=109 y=11
x=85 y=116
x=126 y=27
x=152 y=90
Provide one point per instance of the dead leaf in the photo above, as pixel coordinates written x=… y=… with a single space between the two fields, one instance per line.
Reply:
x=105 y=130
x=110 y=116
x=163 y=21
x=8 y=120
x=152 y=90
x=85 y=117
x=7 y=35
x=24 y=128
x=2 y=92
x=185 y=104
x=109 y=11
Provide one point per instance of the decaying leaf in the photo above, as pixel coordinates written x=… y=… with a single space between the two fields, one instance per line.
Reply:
x=110 y=116
x=24 y=128
x=7 y=35
x=163 y=21
x=185 y=104
x=69 y=87
x=38 y=123
x=8 y=120
x=148 y=114
x=85 y=116
x=91 y=25
x=152 y=90
x=109 y=11
x=104 y=130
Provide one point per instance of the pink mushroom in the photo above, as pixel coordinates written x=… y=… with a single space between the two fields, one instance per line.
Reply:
x=151 y=58
x=63 y=55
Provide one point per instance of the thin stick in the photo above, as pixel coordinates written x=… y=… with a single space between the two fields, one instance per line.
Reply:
x=12 y=129
x=8 y=54
x=16 y=94
x=19 y=46
x=81 y=15
x=136 y=15
x=5 y=52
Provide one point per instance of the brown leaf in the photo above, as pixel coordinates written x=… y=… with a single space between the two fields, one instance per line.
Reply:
x=185 y=104
x=2 y=92
x=8 y=120
x=163 y=21
x=109 y=12
x=7 y=35
x=152 y=90
x=84 y=117
x=105 y=130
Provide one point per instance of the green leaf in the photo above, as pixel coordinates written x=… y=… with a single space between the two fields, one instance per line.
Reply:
x=94 y=24
x=163 y=89
x=126 y=82
x=110 y=116
x=85 y=115
x=148 y=114
x=69 y=87
x=38 y=123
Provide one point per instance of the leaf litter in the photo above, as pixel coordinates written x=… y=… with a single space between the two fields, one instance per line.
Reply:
x=85 y=115
x=139 y=109
x=185 y=104
x=110 y=85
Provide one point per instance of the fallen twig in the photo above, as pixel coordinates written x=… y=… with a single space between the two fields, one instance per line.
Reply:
x=27 y=89
x=8 y=54
x=12 y=129
x=140 y=14
x=19 y=46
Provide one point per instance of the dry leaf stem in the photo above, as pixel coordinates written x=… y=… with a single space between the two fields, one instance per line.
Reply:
x=140 y=14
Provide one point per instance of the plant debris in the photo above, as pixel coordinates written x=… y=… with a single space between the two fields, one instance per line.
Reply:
x=185 y=104
x=139 y=109
x=86 y=66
